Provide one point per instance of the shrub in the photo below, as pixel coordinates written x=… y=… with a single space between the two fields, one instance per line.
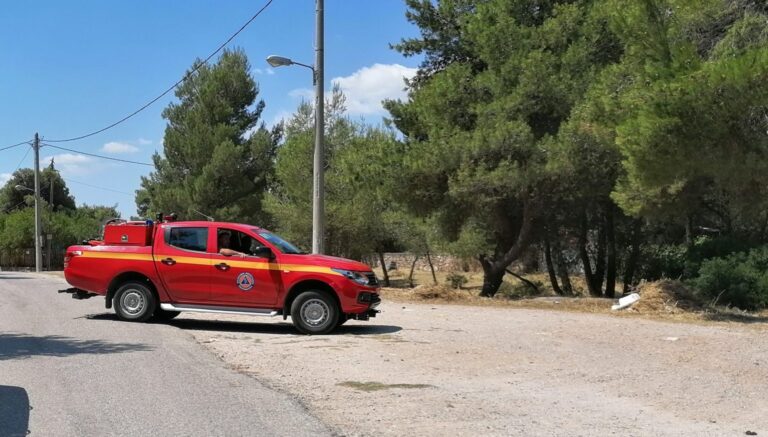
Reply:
x=740 y=279
x=670 y=261
x=705 y=248
x=519 y=290
x=456 y=280
x=659 y=261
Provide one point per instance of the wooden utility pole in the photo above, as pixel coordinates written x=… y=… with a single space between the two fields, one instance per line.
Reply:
x=38 y=218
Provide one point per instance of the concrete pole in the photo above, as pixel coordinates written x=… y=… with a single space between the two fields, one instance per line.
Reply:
x=318 y=188
x=38 y=217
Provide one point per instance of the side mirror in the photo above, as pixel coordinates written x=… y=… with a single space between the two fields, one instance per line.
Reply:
x=263 y=252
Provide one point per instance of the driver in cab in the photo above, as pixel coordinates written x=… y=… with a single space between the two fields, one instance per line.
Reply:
x=225 y=244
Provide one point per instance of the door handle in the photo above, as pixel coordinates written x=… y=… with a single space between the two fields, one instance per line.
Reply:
x=222 y=266
x=168 y=261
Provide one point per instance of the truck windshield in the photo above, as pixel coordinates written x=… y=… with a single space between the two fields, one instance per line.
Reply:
x=284 y=246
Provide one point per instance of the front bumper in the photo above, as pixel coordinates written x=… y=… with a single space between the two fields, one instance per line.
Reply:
x=370 y=299
x=367 y=298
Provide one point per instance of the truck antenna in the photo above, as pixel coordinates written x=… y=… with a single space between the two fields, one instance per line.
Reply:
x=210 y=219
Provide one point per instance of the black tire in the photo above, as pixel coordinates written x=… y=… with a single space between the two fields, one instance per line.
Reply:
x=134 y=302
x=314 y=312
x=164 y=316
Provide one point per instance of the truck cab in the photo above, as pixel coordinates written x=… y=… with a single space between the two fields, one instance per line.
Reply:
x=152 y=270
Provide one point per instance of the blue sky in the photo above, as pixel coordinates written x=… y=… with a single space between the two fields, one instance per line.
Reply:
x=67 y=68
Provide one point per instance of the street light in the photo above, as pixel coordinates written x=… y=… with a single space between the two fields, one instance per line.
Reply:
x=23 y=188
x=318 y=189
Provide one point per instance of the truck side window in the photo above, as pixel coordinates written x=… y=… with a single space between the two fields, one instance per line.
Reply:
x=195 y=239
x=234 y=240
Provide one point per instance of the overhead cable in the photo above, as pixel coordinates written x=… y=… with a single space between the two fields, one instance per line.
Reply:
x=171 y=88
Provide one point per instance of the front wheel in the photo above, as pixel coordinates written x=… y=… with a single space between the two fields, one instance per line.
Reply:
x=314 y=312
x=134 y=302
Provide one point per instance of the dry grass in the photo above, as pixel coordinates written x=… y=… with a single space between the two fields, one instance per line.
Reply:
x=661 y=300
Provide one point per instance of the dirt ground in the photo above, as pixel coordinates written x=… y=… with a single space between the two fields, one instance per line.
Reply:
x=437 y=369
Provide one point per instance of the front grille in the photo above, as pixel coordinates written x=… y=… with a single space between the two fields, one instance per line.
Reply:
x=372 y=280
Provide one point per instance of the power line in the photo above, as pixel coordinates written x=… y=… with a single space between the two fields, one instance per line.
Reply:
x=15 y=145
x=100 y=188
x=172 y=87
x=22 y=159
x=98 y=156
x=14 y=206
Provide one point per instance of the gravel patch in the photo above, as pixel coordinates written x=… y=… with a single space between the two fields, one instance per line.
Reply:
x=466 y=370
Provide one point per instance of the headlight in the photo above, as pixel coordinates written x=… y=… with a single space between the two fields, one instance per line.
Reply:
x=354 y=276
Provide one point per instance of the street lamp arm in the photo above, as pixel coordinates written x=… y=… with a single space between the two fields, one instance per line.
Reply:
x=23 y=188
x=305 y=65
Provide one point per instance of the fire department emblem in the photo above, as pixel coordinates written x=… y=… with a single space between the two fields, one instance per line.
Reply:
x=245 y=281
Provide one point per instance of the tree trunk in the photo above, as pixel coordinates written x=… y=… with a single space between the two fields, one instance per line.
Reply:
x=551 y=267
x=584 y=255
x=493 y=271
x=562 y=270
x=610 y=233
x=384 y=269
x=525 y=281
x=493 y=275
x=413 y=266
x=431 y=267
x=600 y=258
x=634 y=254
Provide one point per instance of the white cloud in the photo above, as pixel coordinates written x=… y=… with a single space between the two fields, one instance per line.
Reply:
x=281 y=115
x=303 y=93
x=366 y=88
x=4 y=178
x=118 y=148
x=144 y=142
x=74 y=164
x=267 y=71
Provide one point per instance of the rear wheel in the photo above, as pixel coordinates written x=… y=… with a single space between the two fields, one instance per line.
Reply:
x=314 y=312
x=134 y=302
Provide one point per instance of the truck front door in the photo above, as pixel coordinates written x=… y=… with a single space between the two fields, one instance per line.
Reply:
x=183 y=263
x=237 y=277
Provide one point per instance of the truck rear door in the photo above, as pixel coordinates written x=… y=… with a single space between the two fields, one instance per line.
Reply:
x=184 y=262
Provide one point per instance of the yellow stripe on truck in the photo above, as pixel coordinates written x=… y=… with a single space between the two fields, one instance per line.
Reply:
x=257 y=265
x=117 y=255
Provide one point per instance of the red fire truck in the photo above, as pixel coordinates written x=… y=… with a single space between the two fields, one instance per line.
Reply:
x=156 y=270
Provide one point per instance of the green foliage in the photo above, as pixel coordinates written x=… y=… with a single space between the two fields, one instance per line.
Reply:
x=456 y=280
x=740 y=280
x=217 y=158
x=12 y=198
x=480 y=121
x=361 y=161
x=660 y=261
x=670 y=261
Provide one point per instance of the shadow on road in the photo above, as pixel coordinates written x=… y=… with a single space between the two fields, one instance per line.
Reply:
x=14 y=411
x=3 y=277
x=273 y=328
x=255 y=327
x=20 y=346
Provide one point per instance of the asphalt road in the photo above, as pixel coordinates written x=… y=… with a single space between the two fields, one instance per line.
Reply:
x=69 y=368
